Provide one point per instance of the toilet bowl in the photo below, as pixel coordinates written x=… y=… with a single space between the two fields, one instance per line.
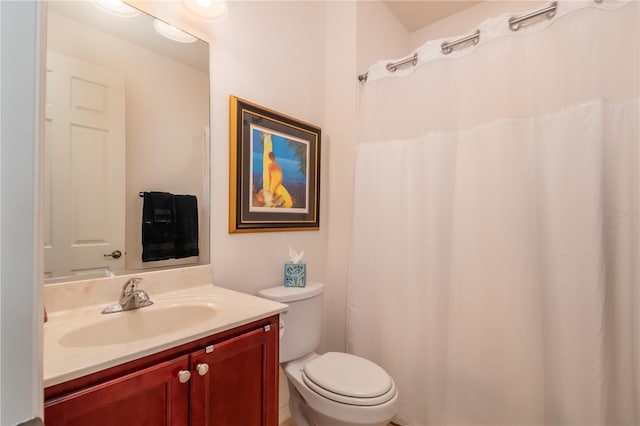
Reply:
x=358 y=400
x=333 y=389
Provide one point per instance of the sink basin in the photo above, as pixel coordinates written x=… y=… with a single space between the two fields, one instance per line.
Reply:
x=138 y=324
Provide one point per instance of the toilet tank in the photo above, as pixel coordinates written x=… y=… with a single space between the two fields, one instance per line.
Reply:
x=301 y=325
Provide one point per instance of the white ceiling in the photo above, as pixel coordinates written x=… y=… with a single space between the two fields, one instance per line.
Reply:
x=415 y=14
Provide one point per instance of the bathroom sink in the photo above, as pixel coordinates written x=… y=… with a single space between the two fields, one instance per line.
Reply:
x=138 y=324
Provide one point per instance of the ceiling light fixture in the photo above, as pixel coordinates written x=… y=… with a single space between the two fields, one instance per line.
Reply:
x=116 y=7
x=172 y=33
x=214 y=10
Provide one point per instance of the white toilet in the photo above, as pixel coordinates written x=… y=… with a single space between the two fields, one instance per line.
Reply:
x=334 y=389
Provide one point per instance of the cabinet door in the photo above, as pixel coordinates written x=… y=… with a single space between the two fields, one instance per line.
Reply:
x=151 y=397
x=240 y=386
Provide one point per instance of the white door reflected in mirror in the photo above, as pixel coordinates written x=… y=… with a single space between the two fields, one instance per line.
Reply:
x=85 y=168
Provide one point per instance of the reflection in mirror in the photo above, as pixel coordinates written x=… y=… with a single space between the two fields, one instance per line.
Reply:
x=127 y=112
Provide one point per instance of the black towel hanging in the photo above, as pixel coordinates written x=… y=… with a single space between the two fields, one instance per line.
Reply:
x=169 y=226
x=186 y=226
x=158 y=226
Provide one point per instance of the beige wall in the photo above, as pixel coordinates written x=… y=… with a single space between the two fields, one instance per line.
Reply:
x=340 y=118
x=299 y=58
x=270 y=53
x=380 y=35
x=281 y=55
x=162 y=88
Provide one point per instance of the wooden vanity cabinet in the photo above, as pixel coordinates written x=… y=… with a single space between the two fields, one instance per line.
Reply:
x=233 y=381
x=152 y=396
x=233 y=375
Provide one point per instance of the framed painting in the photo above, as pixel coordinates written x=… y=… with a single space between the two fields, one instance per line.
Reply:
x=274 y=170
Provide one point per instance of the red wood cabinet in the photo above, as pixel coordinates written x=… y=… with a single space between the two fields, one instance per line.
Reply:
x=233 y=381
x=153 y=396
x=228 y=376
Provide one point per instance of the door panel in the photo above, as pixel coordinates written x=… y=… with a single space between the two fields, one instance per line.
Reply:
x=89 y=183
x=235 y=391
x=151 y=397
x=84 y=166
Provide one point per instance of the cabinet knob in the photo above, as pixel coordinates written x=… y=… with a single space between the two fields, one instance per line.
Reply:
x=202 y=368
x=184 y=376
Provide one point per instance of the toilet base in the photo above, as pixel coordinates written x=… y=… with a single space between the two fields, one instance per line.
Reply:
x=304 y=415
x=298 y=407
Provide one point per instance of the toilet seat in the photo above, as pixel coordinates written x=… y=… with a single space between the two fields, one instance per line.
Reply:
x=348 y=379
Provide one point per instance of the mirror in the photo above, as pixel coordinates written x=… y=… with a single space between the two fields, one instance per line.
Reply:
x=127 y=112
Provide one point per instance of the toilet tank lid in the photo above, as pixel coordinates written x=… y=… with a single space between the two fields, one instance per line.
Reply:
x=291 y=294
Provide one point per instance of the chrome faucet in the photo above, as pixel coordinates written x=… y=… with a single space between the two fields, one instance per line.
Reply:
x=131 y=297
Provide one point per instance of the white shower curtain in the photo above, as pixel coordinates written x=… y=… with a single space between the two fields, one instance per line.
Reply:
x=495 y=257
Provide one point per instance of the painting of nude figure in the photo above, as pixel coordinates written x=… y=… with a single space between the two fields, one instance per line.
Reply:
x=274 y=170
x=279 y=172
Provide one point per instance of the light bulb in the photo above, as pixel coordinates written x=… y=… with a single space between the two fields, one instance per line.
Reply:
x=117 y=8
x=208 y=9
x=172 y=33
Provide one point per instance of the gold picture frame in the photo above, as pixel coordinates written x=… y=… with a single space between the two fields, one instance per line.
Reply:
x=274 y=170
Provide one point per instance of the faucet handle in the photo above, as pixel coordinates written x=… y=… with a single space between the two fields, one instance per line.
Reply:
x=128 y=287
x=131 y=282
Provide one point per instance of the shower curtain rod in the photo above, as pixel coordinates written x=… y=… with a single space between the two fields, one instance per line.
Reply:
x=447 y=47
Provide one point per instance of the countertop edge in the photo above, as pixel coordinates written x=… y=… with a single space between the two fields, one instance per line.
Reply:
x=159 y=345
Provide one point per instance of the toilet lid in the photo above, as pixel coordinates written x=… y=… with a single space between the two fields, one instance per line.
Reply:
x=343 y=375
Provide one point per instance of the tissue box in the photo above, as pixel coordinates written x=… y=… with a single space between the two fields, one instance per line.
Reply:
x=295 y=274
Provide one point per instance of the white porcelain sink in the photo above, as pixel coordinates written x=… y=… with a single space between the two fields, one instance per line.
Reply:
x=138 y=324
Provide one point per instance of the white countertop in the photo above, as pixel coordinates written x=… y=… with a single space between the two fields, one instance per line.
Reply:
x=63 y=362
